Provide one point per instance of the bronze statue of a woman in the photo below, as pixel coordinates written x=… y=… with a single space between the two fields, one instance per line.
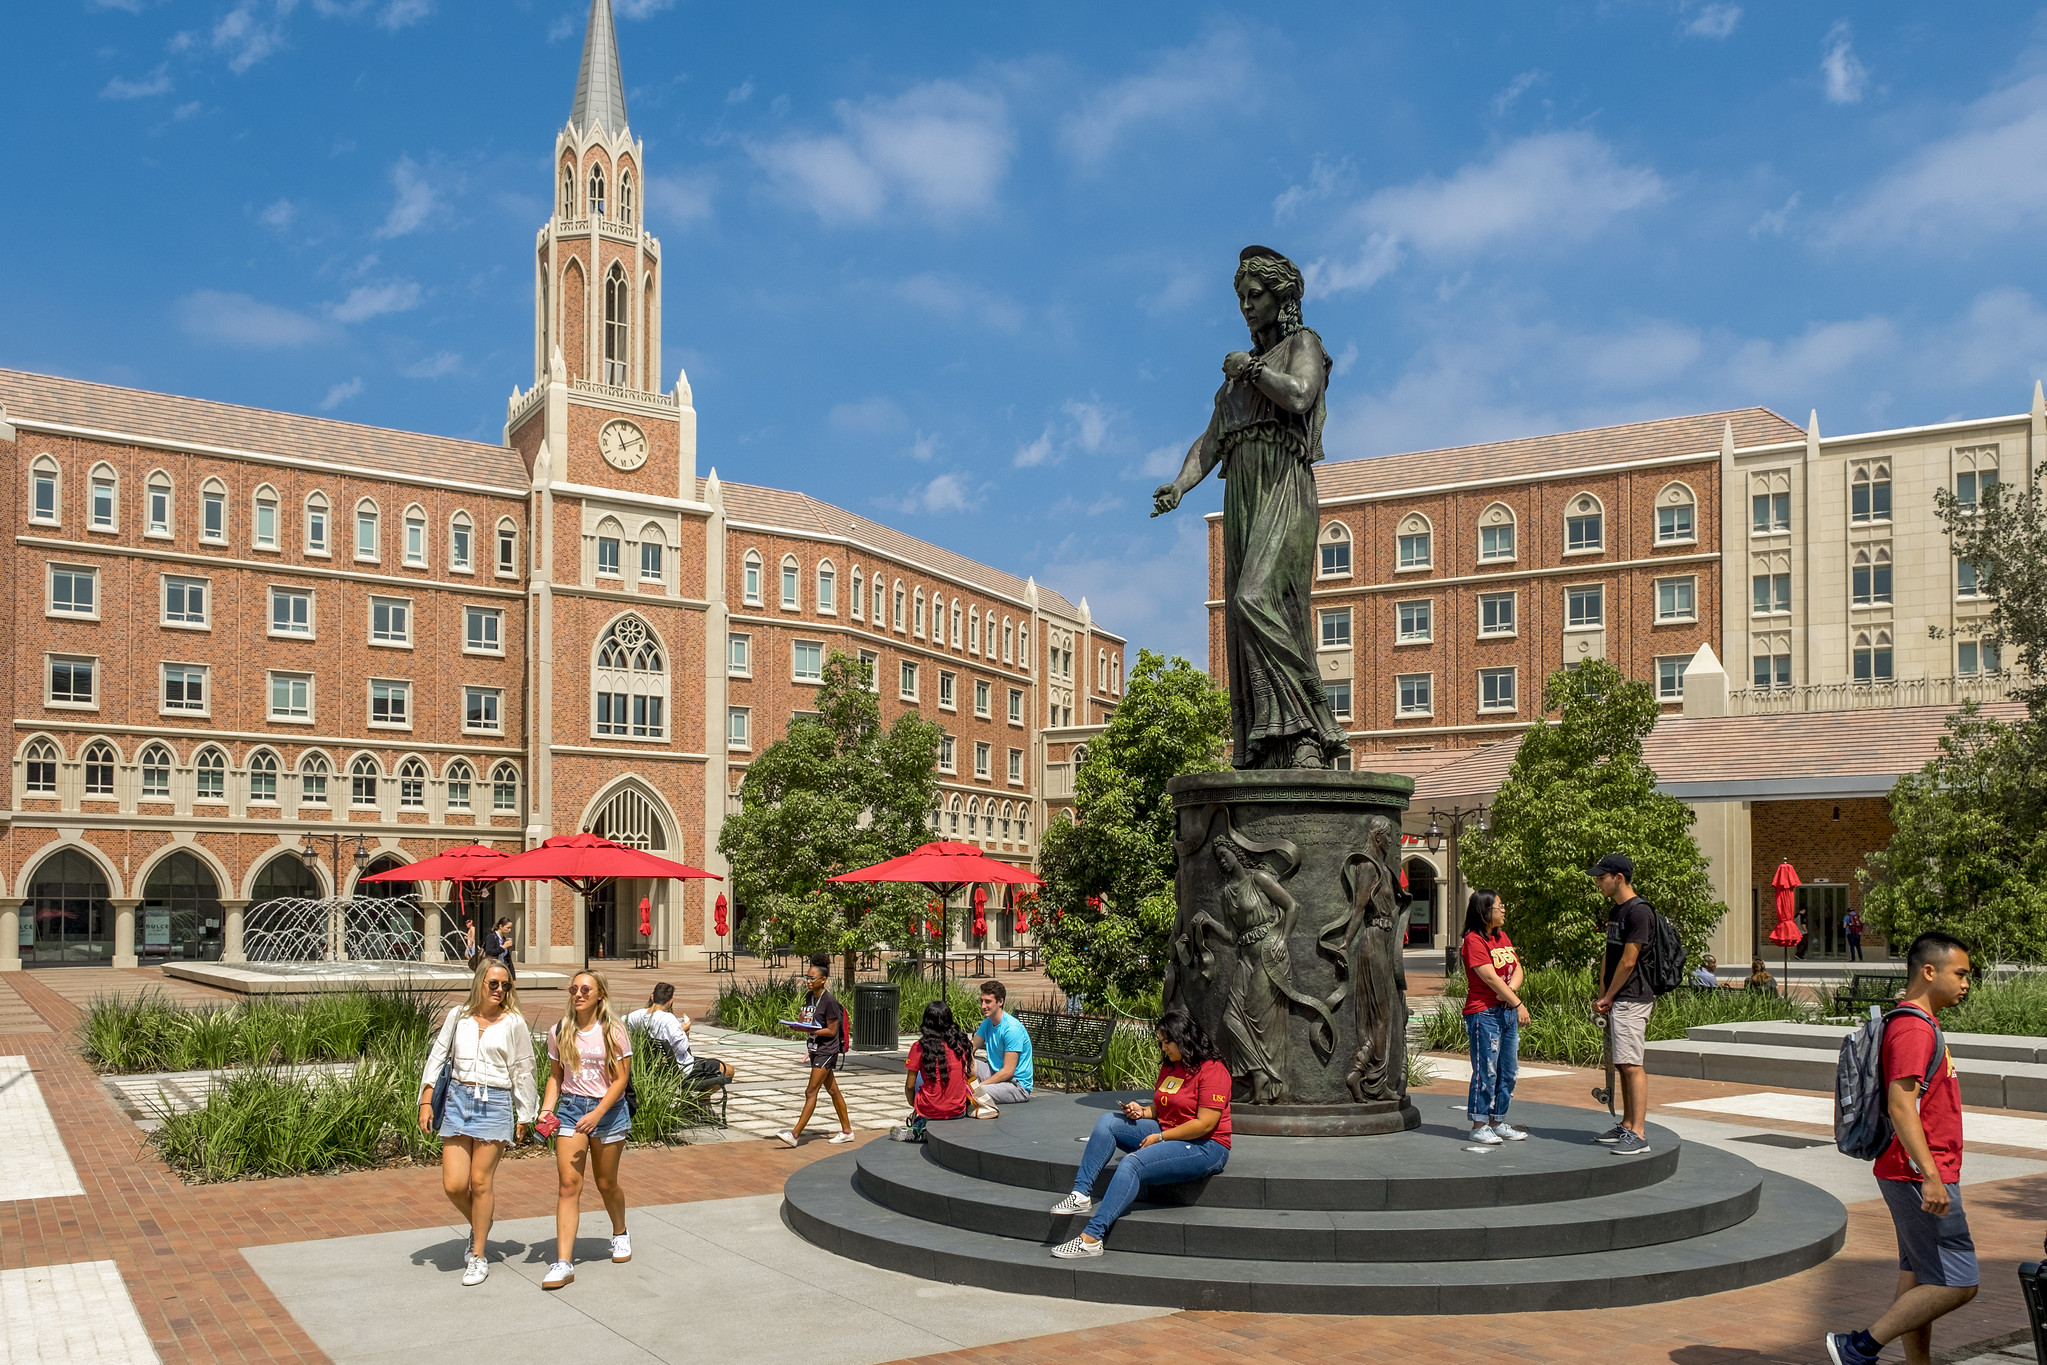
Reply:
x=1265 y=433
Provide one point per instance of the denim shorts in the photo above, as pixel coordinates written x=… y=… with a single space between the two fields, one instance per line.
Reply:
x=613 y=1127
x=1935 y=1250
x=479 y=1112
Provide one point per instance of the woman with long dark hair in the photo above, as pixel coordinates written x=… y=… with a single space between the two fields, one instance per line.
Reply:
x=1183 y=1134
x=1493 y=1017
x=938 y=1073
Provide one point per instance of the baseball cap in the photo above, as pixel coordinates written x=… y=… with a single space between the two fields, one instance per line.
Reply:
x=1615 y=862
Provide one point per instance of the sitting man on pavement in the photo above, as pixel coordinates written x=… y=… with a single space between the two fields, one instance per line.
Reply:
x=664 y=1026
x=1006 y=1042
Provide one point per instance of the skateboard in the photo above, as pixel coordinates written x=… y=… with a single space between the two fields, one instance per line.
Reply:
x=1604 y=1093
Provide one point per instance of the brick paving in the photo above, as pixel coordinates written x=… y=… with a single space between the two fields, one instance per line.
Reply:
x=177 y=1246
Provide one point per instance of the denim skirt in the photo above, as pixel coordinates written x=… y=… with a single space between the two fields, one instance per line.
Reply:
x=477 y=1111
x=613 y=1127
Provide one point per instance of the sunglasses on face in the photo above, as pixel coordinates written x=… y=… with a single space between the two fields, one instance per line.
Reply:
x=495 y=985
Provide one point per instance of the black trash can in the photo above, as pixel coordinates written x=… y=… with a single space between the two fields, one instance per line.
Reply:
x=877 y=1006
x=2033 y=1284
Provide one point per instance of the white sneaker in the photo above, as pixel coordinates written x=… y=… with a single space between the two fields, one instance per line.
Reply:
x=844 y=1135
x=786 y=1138
x=559 y=1274
x=1485 y=1136
x=1076 y=1249
x=1512 y=1134
x=1074 y=1203
x=621 y=1248
x=475 y=1269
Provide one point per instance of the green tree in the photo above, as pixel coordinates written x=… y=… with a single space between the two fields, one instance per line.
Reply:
x=1106 y=911
x=1957 y=859
x=837 y=793
x=1579 y=789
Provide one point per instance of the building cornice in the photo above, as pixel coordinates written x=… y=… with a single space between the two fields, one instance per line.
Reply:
x=908 y=644
x=628 y=598
x=593 y=493
x=2021 y=420
x=1505 y=480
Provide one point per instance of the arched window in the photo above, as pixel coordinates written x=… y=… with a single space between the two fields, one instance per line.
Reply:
x=618 y=313
x=855 y=602
x=625 y=197
x=1496 y=538
x=1008 y=813
x=209 y=775
x=1584 y=525
x=1870 y=578
x=104 y=486
x=284 y=877
x=362 y=781
x=750 y=579
x=412 y=785
x=159 y=499
x=596 y=191
x=263 y=516
x=508 y=548
x=631 y=682
x=1335 y=552
x=568 y=190
x=1116 y=677
x=313 y=773
x=263 y=777
x=629 y=818
x=366 y=529
x=46 y=491
x=1008 y=641
x=956 y=623
x=183 y=890
x=653 y=554
x=1416 y=543
x=974 y=631
x=1023 y=825
x=504 y=789
x=974 y=819
x=880 y=608
x=1870 y=494
x=99 y=769
x=461 y=550
x=827 y=587
x=460 y=778
x=1101 y=670
x=791 y=575
x=316 y=524
x=917 y=618
x=896 y=619
x=73 y=915
x=610 y=539
x=1023 y=648
x=156 y=773
x=954 y=813
x=988 y=644
x=415 y=535
x=39 y=765
x=1676 y=515
x=213 y=510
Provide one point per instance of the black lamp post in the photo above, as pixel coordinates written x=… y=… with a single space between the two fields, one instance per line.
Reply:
x=310 y=851
x=1433 y=839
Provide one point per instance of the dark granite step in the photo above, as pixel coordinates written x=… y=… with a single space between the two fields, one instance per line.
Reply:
x=1795 y=1226
x=1710 y=1190
x=1037 y=1146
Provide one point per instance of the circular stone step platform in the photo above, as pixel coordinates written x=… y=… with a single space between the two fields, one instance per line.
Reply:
x=1398 y=1223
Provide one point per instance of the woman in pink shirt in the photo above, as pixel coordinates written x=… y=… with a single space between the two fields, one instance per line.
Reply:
x=585 y=1105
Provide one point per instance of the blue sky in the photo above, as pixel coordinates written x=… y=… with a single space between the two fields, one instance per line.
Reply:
x=966 y=267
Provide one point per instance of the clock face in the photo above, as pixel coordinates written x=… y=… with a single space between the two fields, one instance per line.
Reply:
x=623 y=445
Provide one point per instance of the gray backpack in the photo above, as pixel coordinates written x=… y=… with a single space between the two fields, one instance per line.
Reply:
x=1862 y=1114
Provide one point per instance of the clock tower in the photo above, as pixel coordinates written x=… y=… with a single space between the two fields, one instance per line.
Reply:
x=616 y=562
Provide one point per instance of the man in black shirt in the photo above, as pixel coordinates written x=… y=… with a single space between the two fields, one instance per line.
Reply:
x=1625 y=998
x=823 y=1022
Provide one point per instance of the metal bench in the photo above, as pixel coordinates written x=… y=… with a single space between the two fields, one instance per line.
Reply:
x=1068 y=1046
x=646 y=957
x=1868 y=988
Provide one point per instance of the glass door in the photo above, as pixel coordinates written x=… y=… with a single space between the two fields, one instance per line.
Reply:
x=73 y=919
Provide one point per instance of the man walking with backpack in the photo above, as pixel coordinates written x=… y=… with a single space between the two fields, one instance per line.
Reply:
x=1920 y=1170
x=1625 y=998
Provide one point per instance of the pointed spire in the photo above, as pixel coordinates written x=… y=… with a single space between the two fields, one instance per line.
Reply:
x=600 y=89
x=2039 y=399
x=683 y=394
x=1812 y=425
x=1727 y=440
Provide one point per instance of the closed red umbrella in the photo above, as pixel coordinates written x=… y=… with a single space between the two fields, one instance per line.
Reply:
x=718 y=920
x=1786 y=931
x=646 y=918
x=980 y=912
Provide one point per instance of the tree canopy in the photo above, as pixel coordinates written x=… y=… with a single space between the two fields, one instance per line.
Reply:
x=838 y=792
x=1579 y=789
x=1106 y=911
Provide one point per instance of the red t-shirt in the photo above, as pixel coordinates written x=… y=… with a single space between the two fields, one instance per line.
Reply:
x=1480 y=951
x=949 y=1099
x=1908 y=1048
x=1183 y=1089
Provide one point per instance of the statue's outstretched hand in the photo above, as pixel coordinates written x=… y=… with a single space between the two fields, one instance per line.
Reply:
x=1164 y=499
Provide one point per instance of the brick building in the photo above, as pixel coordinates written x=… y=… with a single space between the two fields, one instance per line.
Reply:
x=238 y=628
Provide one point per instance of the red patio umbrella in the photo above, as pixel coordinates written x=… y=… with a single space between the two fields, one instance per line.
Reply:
x=1786 y=930
x=646 y=918
x=458 y=866
x=583 y=862
x=943 y=868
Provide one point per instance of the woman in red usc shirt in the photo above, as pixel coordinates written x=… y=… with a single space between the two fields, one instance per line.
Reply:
x=938 y=1066
x=1183 y=1134
x=1493 y=1016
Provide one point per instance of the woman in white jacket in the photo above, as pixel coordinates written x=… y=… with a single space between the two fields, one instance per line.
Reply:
x=491 y=1099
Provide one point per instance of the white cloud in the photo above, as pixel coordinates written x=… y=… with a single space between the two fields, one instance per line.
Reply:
x=1516 y=88
x=1772 y=221
x=1550 y=187
x=251 y=31
x=1823 y=351
x=417 y=199
x=278 y=215
x=404 y=13
x=2001 y=339
x=1180 y=84
x=739 y=94
x=1182 y=289
x=1988 y=178
x=959 y=300
x=1162 y=462
x=679 y=200
x=374 y=300
x=435 y=366
x=940 y=148
x=1090 y=423
x=1846 y=77
x=1324 y=179
x=341 y=393
x=1038 y=452
x=157 y=82
x=874 y=416
x=949 y=492
x=924 y=447
x=125 y=6
x=240 y=320
x=1714 y=21
x=562 y=27
x=1149 y=587
x=1344 y=359
x=187 y=110
x=1648 y=354
x=1087 y=428
x=641 y=9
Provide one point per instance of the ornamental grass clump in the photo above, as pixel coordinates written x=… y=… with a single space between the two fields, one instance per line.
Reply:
x=272 y=1122
x=146 y=1032
x=2011 y=1005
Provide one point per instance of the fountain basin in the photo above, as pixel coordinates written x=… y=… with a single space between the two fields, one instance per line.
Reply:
x=314 y=978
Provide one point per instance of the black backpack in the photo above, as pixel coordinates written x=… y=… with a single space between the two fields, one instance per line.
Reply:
x=1663 y=957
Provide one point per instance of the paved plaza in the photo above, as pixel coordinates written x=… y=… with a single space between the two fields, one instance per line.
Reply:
x=106 y=1256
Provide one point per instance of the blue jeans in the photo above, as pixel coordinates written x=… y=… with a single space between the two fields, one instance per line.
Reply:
x=1495 y=1058
x=1162 y=1163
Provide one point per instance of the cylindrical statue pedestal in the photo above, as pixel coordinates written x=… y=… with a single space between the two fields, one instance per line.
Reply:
x=1288 y=943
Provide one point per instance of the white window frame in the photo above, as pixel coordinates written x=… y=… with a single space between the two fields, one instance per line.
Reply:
x=738 y=655
x=796 y=673
x=290 y=680
x=92 y=664
x=750 y=569
x=948 y=690
x=45 y=471
x=318 y=526
x=984 y=699
x=907 y=681
x=984 y=760
x=1016 y=706
x=265 y=504
x=163 y=689
x=614 y=543
x=1325 y=618
x=494 y=699
x=159 y=490
x=1513 y=601
x=792 y=584
x=1492 y=676
x=389 y=640
x=368 y=516
x=658 y=549
x=415 y=548
x=1401 y=634
x=103 y=477
x=739 y=727
x=1669 y=689
x=1014 y=771
x=1427 y=683
x=1573 y=512
x=1599 y=590
x=872 y=658
x=471 y=613
x=1682 y=586
x=290 y=594
x=461 y=543
x=400 y=688
x=185 y=582
x=948 y=754
x=74 y=571
x=505 y=548
x=213 y=527
x=1339 y=689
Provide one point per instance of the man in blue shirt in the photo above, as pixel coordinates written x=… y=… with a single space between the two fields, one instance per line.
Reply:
x=1006 y=1043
